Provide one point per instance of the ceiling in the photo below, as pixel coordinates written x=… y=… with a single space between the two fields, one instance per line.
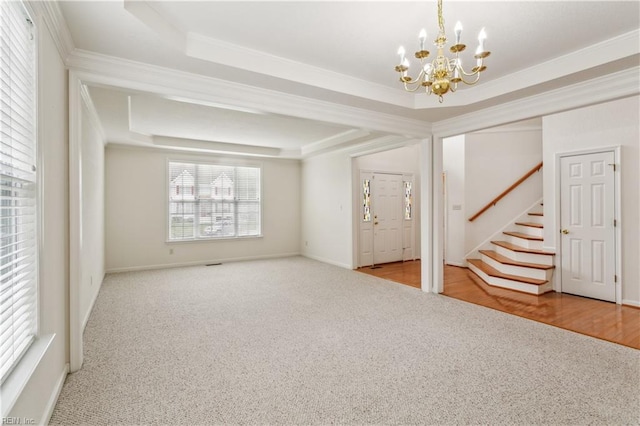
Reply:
x=342 y=52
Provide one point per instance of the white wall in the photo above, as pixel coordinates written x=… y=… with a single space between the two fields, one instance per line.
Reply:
x=453 y=163
x=405 y=160
x=37 y=399
x=606 y=125
x=327 y=219
x=136 y=212
x=93 y=250
x=493 y=162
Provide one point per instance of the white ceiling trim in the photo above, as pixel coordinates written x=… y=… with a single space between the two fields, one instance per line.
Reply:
x=215 y=147
x=151 y=18
x=51 y=15
x=99 y=69
x=220 y=52
x=601 y=53
x=613 y=86
x=333 y=141
x=381 y=144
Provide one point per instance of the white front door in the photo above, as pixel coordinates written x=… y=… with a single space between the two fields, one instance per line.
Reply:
x=587 y=212
x=387 y=191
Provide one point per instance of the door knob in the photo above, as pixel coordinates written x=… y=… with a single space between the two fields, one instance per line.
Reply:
x=375 y=223
x=565 y=231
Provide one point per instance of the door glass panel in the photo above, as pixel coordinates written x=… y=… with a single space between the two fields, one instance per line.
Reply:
x=366 y=200
x=408 y=200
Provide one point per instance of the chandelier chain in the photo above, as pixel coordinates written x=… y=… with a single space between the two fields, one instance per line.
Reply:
x=440 y=17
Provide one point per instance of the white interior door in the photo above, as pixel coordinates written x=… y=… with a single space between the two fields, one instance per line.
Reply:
x=387 y=191
x=587 y=212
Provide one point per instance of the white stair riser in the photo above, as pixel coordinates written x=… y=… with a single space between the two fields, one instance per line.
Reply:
x=512 y=285
x=531 y=244
x=536 y=232
x=521 y=271
x=535 y=219
x=543 y=259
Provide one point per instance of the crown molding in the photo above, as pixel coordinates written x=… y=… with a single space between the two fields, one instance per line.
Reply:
x=381 y=144
x=151 y=18
x=215 y=147
x=610 y=87
x=233 y=55
x=100 y=69
x=51 y=15
x=511 y=129
x=616 y=48
x=333 y=142
x=221 y=52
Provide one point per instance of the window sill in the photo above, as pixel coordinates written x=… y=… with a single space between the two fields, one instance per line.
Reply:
x=208 y=240
x=14 y=384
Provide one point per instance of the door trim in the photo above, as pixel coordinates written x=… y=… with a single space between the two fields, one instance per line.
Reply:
x=357 y=189
x=616 y=150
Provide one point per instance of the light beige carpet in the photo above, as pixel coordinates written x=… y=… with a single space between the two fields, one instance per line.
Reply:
x=295 y=341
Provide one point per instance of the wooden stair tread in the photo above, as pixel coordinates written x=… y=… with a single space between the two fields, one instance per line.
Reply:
x=506 y=261
x=530 y=224
x=520 y=249
x=523 y=236
x=536 y=214
x=492 y=272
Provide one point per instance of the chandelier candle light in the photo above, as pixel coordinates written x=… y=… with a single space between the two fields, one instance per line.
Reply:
x=442 y=74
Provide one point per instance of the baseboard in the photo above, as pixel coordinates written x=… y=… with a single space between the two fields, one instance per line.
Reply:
x=199 y=263
x=329 y=261
x=632 y=303
x=458 y=264
x=53 y=399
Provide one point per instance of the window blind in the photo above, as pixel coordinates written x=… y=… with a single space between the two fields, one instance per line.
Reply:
x=18 y=207
x=213 y=201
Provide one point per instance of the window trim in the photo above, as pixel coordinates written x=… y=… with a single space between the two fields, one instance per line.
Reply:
x=215 y=161
x=39 y=217
x=20 y=374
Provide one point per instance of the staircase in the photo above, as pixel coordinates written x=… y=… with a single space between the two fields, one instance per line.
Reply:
x=517 y=261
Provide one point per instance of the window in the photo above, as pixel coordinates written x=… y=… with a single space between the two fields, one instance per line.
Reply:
x=408 y=200
x=213 y=201
x=18 y=203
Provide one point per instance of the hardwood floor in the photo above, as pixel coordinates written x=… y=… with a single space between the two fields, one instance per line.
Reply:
x=407 y=273
x=603 y=320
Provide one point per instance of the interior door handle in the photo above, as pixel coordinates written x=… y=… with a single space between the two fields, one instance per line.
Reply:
x=565 y=231
x=375 y=223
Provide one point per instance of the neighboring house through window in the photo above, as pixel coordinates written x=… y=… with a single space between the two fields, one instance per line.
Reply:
x=213 y=201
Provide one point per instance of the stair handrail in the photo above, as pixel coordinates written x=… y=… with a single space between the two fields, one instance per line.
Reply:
x=505 y=192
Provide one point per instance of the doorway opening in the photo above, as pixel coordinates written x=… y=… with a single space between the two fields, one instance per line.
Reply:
x=386 y=208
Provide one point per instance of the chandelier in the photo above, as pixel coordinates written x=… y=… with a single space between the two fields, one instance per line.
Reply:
x=443 y=73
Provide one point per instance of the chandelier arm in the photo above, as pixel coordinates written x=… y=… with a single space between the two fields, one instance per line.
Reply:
x=470 y=83
x=412 y=89
x=467 y=74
